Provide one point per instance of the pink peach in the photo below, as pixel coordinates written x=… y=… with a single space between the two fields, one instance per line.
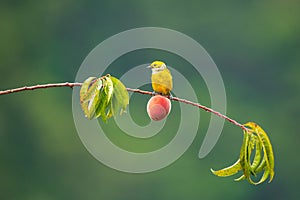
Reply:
x=158 y=107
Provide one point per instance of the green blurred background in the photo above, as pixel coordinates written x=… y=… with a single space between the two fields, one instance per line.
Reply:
x=255 y=45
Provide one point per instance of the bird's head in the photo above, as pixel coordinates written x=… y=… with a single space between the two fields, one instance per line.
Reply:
x=157 y=66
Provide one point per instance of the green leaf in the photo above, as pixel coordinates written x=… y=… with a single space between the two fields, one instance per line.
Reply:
x=102 y=102
x=89 y=96
x=84 y=88
x=240 y=178
x=264 y=177
x=244 y=155
x=261 y=166
x=109 y=89
x=228 y=171
x=120 y=98
x=257 y=157
x=104 y=98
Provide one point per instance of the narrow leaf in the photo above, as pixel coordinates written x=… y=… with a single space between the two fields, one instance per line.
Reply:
x=228 y=171
x=257 y=157
x=244 y=156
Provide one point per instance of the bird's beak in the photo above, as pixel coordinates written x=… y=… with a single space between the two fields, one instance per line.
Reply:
x=149 y=67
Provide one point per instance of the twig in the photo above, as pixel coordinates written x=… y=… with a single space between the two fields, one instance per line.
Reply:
x=71 y=85
x=66 y=84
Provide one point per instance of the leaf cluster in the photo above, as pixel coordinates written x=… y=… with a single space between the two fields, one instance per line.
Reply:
x=255 y=138
x=105 y=96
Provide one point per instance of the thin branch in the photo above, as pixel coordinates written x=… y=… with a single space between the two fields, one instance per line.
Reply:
x=66 y=84
x=194 y=104
x=71 y=85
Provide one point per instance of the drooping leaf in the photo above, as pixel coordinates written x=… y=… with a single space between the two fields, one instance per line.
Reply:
x=240 y=178
x=228 y=171
x=244 y=155
x=257 y=157
x=261 y=166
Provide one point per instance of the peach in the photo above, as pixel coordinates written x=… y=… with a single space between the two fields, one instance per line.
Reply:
x=158 y=107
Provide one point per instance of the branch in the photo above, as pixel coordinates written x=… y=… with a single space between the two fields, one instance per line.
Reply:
x=71 y=85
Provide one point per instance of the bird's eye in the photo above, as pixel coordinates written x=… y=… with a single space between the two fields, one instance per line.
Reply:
x=154 y=65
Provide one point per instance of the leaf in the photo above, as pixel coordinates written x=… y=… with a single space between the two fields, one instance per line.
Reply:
x=89 y=96
x=120 y=98
x=257 y=157
x=245 y=155
x=261 y=166
x=109 y=89
x=100 y=110
x=84 y=88
x=264 y=177
x=105 y=98
x=240 y=178
x=228 y=171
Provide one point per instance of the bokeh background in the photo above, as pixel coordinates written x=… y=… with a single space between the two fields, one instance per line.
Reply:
x=255 y=45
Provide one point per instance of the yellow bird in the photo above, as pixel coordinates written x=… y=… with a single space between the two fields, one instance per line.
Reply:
x=161 y=78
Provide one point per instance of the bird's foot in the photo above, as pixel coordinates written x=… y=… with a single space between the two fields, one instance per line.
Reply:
x=157 y=93
x=154 y=93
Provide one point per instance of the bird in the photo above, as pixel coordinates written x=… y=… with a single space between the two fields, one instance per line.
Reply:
x=161 y=78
